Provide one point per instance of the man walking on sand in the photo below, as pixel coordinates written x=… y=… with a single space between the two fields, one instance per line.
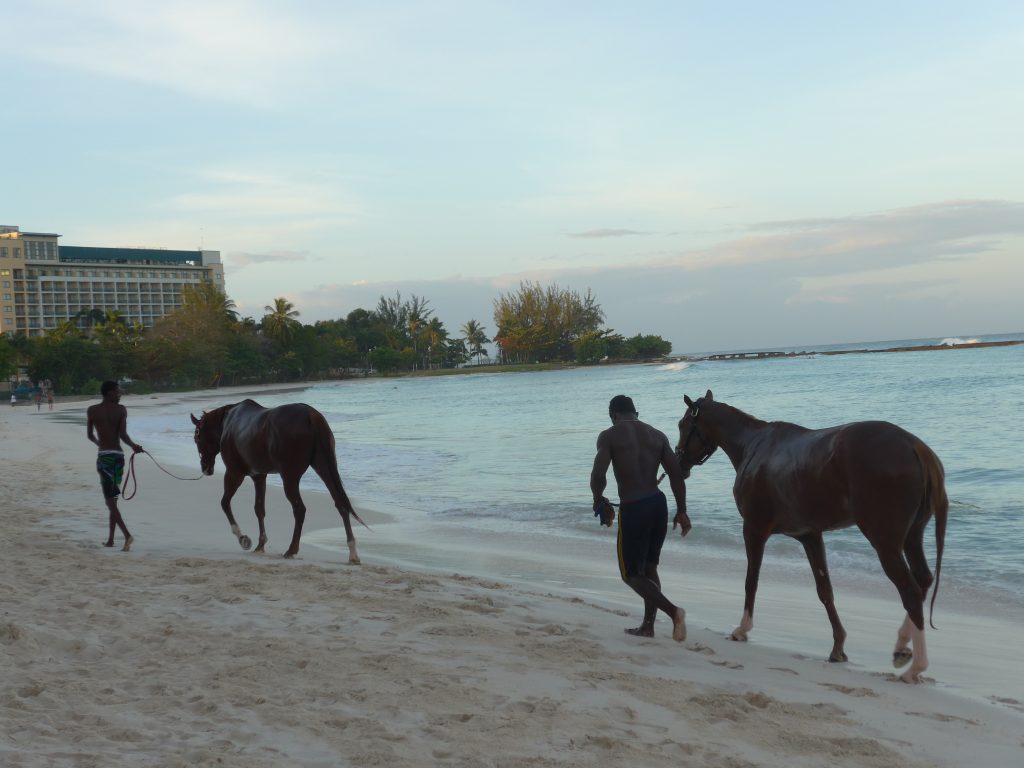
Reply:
x=635 y=451
x=107 y=427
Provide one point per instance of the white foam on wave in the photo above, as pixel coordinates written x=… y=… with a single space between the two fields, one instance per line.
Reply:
x=680 y=366
x=954 y=340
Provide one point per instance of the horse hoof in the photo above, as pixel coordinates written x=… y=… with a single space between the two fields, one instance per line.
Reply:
x=836 y=659
x=289 y=555
x=354 y=561
x=901 y=657
x=245 y=541
x=738 y=638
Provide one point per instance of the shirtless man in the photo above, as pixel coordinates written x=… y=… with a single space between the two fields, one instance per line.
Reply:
x=636 y=450
x=109 y=420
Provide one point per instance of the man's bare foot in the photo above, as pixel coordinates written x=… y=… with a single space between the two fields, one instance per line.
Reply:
x=679 y=625
x=127 y=544
x=640 y=631
x=108 y=543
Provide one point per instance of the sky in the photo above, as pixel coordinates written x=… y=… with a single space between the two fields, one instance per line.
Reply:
x=733 y=175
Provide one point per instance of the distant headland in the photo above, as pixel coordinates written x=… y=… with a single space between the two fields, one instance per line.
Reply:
x=811 y=353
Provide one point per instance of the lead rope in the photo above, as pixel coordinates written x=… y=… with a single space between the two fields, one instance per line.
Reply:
x=135 y=482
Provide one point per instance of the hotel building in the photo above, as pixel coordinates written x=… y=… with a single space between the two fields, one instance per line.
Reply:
x=43 y=284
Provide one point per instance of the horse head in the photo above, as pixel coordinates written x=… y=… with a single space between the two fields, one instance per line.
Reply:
x=694 y=447
x=207 y=437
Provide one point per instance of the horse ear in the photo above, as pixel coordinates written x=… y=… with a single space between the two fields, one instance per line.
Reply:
x=194 y=419
x=709 y=396
x=688 y=401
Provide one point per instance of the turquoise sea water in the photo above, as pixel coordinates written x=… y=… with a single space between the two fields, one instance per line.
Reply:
x=499 y=451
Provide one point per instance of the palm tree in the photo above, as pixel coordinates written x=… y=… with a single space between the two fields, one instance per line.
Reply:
x=64 y=329
x=279 y=322
x=435 y=335
x=206 y=295
x=90 y=317
x=414 y=323
x=475 y=338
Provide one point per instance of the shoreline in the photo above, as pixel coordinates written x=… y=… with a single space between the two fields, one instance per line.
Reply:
x=725 y=356
x=189 y=650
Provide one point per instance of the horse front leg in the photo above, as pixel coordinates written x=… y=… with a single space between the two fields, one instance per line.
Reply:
x=232 y=481
x=814 y=547
x=754 y=539
x=291 y=491
x=260 y=482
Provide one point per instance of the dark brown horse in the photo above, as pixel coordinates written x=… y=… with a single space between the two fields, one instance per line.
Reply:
x=801 y=482
x=254 y=441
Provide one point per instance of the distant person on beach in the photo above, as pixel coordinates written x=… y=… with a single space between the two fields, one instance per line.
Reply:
x=49 y=398
x=635 y=451
x=14 y=399
x=38 y=397
x=107 y=427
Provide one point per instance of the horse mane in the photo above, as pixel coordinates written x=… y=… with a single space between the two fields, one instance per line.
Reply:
x=743 y=416
x=215 y=418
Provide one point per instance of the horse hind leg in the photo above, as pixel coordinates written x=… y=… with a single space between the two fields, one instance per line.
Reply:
x=912 y=629
x=901 y=654
x=328 y=473
x=913 y=550
x=814 y=547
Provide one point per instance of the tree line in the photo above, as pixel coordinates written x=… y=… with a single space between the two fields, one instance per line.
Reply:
x=205 y=342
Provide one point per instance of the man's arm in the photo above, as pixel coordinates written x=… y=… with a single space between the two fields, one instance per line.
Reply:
x=90 y=427
x=677 y=480
x=122 y=431
x=598 y=476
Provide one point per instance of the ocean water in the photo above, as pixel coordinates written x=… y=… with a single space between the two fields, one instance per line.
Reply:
x=496 y=452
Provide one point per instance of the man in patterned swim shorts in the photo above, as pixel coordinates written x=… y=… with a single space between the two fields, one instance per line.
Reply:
x=635 y=451
x=107 y=427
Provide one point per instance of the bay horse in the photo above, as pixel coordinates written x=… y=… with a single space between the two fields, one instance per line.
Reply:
x=254 y=441
x=802 y=482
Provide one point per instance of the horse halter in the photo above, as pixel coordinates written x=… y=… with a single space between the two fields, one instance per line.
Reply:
x=706 y=451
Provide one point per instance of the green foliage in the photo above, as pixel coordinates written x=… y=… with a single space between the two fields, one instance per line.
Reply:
x=280 y=322
x=8 y=358
x=537 y=324
x=205 y=343
x=70 y=362
x=598 y=346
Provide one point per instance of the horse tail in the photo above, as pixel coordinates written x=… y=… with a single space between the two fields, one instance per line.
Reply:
x=323 y=449
x=936 y=503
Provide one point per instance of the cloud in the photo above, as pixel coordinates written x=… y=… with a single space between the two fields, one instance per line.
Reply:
x=240 y=259
x=243 y=194
x=607 y=233
x=234 y=51
x=885 y=239
x=941 y=268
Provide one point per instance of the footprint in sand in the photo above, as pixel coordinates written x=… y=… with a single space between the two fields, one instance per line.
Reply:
x=726 y=664
x=701 y=648
x=850 y=691
x=1012 y=703
x=944 y=718
x=785 y=669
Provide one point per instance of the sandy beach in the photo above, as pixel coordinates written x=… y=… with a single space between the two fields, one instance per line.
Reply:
x=188 y=651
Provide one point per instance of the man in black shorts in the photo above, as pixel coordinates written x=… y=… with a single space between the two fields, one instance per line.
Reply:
x=107 y=426
x=635 y=451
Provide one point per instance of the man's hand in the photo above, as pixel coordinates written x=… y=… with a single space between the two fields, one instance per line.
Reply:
x=137 y=449
x=683 y=521
x=604 y=510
